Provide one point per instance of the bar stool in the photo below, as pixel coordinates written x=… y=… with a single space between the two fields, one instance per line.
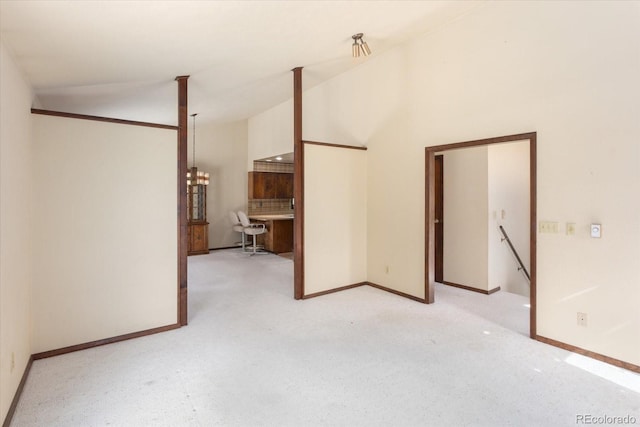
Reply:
x=237 y=226
x=251 y=229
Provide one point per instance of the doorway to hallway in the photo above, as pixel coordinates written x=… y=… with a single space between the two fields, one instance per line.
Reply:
x=434 y=219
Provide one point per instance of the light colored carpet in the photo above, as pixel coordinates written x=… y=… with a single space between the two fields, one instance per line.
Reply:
x=253 y=356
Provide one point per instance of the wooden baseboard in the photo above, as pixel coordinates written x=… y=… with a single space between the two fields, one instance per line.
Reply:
x=97 y=343
x=331 y=291
x=588 y=353
x=70 y=349
x=225 y=247
x=393 y=291
x=355 y=285
x=16 y=396
x=469 y=288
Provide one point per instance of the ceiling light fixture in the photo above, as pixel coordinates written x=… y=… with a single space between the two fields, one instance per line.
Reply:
x=359 y=46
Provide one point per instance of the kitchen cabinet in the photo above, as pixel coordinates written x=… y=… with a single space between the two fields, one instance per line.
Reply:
x=197 y=225
x=270 y=185
x=279 y=236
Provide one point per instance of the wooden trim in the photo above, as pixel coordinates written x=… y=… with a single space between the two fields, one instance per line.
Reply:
x=356 y=285
x=429 y=227
x=331 y=291
x=101 y=119
x=486 y=141
x=225 y=247
x=591 y=354
x=326 y=144
x=470 y=288
x=493 y=291
x=393 y=291
x=298 y=187
x=430 y=212
x=18 y=393
x=533 y=234
x=98 y=343
x=183 y=244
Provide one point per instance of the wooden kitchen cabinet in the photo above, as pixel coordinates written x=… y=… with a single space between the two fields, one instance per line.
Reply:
x=279 y=236
x=270 y=185
x=284 y=188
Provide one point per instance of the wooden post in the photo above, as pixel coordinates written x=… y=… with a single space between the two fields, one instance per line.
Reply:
x=182 y=200
x=298 y=187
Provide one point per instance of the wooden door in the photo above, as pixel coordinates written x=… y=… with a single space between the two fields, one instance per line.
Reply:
x=439 y=222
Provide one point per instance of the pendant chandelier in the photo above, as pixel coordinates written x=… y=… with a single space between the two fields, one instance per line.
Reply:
x=194 y=176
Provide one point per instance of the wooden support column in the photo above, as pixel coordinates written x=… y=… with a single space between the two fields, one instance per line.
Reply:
x=182 y=200
x=298 y=187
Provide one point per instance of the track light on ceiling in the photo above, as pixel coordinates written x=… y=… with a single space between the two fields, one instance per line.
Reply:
x=359 y=46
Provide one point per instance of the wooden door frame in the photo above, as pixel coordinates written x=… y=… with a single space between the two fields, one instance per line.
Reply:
x=430 y=213
x=298 y=187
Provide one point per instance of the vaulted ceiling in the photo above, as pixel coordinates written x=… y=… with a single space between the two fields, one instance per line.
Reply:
x=119 y=58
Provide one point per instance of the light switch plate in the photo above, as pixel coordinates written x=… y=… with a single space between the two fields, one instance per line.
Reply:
x=596 y=231
x=548 y=227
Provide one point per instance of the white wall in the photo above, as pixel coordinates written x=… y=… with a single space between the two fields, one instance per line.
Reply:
x=335 y=232
x=16 y=184
x=221 y=150
x=105 y=229
x=270 y=133
x=485 y=187
x=465 y=203
x=508 y=169
x=507 y=68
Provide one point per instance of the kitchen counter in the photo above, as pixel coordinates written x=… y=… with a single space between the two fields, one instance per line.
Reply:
x=279 y=236
x=273 y=217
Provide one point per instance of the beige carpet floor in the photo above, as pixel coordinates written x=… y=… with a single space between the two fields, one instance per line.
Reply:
x=253 y=356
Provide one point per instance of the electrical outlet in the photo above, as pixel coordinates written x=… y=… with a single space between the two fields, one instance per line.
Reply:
x=582 y=319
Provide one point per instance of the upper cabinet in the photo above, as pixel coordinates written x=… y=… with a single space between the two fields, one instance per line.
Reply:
x=270 y=185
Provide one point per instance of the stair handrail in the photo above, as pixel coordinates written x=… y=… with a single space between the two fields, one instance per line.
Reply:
x=513 y=250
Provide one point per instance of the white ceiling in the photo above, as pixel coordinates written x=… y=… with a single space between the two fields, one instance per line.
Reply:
x=119 y=58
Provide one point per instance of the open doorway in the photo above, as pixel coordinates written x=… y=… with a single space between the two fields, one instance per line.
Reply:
x=433 y=217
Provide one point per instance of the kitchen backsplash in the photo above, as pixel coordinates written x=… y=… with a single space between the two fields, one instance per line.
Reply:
x=270 y=206
x=259 y=166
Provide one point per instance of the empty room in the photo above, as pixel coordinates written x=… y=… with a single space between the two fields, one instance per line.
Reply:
x=230 y=213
